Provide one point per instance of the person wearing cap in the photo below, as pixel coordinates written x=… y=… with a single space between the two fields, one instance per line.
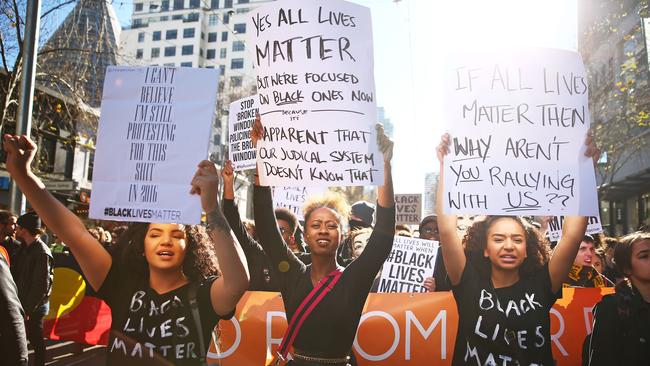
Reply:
x=33 y=273
x=429 y=230
x=361 y=214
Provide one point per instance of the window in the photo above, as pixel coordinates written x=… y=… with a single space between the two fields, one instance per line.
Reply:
x=240 y=28
x=213 y=19
x=156 y=35
x=227 y=4
x=188 y=33
x=237 y=46
x=194 y=4
x=226 y=18
x=235 y=81
x=138 y=23
x=191 y=17
x=169 y=64
x=138 y=53
x=164 y=18
x=164 y=5
x=224 y=36
x=211 y=54
x=177 y=16
x=138 y=7
x=237 y=63
x=155 y=52
x=222 y=53
x=140 y=37
x=187 y=50
x=222 y=69
x=171 y=34
x=178 y=4
x=153 y=8
x=186 y=64
x=170 y=51
x=214 y=4
x=202 y=35
x=212 y=36
x=243 y=1
x=200 y=52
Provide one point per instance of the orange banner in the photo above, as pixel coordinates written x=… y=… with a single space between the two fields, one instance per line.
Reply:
x=395 y=329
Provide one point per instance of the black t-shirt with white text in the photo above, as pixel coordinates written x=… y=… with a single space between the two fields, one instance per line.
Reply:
x=151 y=328
x=505 y=326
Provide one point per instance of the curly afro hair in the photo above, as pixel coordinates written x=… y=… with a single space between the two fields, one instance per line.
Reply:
x=475 y=241
x=200 y=260
x=334 y=201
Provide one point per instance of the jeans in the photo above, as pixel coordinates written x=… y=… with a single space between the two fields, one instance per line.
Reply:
x=34 y=328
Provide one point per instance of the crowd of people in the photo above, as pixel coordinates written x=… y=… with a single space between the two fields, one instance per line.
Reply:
x=169 y=285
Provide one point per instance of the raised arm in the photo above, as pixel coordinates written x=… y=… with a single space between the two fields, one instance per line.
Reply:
x=452 y=252
x=229 y=288
x=385 y=194
x=93 y=259
x=573 y=231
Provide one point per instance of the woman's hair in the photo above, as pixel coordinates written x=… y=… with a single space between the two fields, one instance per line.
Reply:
x=334 y=201
x=623 y=250
x=475 y=241
x=199 y=263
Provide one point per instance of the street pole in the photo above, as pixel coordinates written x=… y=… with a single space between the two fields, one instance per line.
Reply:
x=25 y=103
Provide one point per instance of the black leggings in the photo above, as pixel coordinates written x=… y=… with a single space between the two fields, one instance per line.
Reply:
x=34 y=328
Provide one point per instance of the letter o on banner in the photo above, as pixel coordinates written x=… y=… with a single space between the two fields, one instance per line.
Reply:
x=392 y=348
x=232 y=348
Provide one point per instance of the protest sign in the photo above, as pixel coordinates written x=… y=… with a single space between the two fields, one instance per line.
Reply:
x=554 y=231
x=518 y=122
x=153 y=131
x=316 y=93
x=240 y=120
x=408 y=209
x=293 y=198
x=410 y=262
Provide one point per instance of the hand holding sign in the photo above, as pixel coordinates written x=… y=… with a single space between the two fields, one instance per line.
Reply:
x=385 y=143
x=443 y=148
x=592 y=151
x=205 y=184
x=228 y=177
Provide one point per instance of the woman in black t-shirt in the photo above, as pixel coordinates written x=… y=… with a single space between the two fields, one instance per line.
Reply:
x=326 y=335
x=503 y=282
x=156 y=284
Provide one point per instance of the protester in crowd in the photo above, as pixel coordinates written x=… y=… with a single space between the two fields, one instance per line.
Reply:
x=503 y=282
x=428 y=230
x=361 y=215
x=288 y=224
x=582 y=273
x=33 y=274
x=259 y=265
x=610 y=271
x=621 y=327
x=7 y=232
x=403 y=230
x=59 y=246
x=325 y=332
x=13 y=342
x=160 y=285
x=249 y=225
x=599 y=261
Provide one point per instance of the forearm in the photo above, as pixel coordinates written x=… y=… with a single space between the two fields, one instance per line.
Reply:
x=573 y=231
x=453 y=254
x=232 y=261
x=385 y=194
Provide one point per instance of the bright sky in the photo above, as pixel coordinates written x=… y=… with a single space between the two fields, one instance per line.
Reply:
x=411 y=39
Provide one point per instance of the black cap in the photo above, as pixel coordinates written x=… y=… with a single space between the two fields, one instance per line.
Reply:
x=364 y=211
x=29 y=221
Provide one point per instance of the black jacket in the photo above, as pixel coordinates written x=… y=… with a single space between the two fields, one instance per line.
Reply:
x=33 y=273
x=13 y=247
x=13 y=343
x=621 y=332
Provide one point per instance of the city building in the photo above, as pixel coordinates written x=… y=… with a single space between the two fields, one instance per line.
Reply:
x=388 y=125
x=613 y=44
x=430 y=190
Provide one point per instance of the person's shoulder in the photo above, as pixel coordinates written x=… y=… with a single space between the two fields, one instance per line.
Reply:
x=43 y=248
x=607 y=306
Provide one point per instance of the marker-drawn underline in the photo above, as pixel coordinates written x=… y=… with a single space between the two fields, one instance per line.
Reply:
x=472 y=158
x=322 y=110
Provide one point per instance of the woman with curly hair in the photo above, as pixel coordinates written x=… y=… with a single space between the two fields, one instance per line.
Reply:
x=322 y=301
x=162 y=284
x=621 y=328
x=504 y=282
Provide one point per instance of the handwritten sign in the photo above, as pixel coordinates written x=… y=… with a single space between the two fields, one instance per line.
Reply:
x=316 y=93
x=293 y=198
x=408 y=209
x=410 y=262
x=554 y=231
x=240 y=120
x=518 y=121
x=153 y=131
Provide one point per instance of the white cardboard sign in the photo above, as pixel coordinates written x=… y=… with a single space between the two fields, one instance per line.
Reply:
x=293 y=198
x=153 y=131
x=408 y=209
x=554 y=231
x=518 y=120
x=240 y=121
x=410 y=262
x=315 y=83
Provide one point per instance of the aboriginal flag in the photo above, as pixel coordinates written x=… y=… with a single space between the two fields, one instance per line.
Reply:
x=76 y=313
